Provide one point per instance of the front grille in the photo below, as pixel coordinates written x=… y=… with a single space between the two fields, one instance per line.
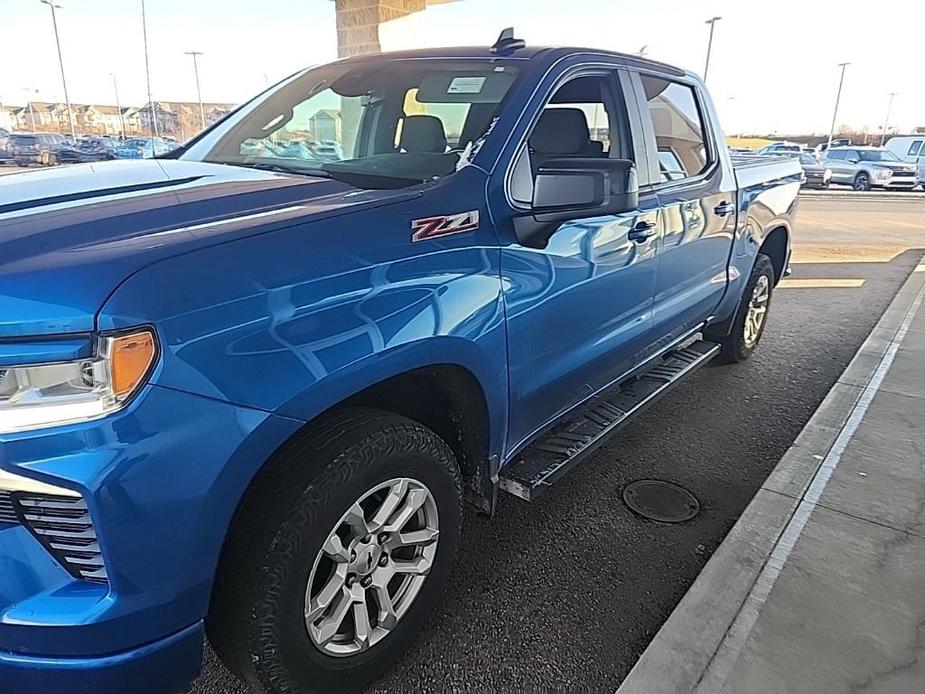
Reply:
x=63 y=525
x=7 y=514
x=904 y=174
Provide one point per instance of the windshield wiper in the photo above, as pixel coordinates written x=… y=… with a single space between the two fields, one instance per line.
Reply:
x=282 y=168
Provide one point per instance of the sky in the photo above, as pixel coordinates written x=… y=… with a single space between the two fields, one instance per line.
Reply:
x=773 y=66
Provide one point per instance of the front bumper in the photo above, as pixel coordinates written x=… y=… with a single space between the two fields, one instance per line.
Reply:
x=161 y=480
x=165 y=665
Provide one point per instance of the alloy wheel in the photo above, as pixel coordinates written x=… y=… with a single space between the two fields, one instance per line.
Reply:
x=757 y=309
x=371 y=567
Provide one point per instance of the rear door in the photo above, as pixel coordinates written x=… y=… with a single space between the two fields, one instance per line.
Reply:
x=837 y=161
x=696 y=193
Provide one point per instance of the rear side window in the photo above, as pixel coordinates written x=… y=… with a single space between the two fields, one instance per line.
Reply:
x=840 y=154
x=680 y=135
x=915 y=148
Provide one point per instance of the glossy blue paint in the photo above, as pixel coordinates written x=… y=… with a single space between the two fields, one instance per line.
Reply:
x=276 y=297
x=46 y=351
x=160 y=478
x=165 y=665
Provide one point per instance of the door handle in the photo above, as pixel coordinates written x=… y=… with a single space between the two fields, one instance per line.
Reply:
x=642 y=231
x=724 y=209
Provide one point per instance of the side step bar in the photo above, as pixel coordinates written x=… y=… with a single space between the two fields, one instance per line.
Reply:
x=548 y=458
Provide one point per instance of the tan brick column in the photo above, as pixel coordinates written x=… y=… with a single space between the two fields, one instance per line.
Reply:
x=358 y=22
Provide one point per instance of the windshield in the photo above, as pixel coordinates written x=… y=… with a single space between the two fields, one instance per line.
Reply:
x=877 y=155
x=808 y=159
x=384 y=124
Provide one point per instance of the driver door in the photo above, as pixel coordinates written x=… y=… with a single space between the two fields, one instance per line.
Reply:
x=579 y=310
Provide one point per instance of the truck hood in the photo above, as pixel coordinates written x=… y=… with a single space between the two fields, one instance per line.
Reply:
x=69 y=236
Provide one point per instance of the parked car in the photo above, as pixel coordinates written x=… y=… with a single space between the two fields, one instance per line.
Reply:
x=249 y=394
x=88 y=149
x=35 y=148
x=5 y=154
x=910 y=149
x=143 y=148
x=819 y=150
x=864 y=168
x=778 y=147
x=815 y=173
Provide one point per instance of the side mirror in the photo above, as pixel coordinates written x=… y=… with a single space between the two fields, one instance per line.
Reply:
x=574 y=188
x=853 y=160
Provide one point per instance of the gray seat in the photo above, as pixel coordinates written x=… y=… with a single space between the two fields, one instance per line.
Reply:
x=422 y=133
x=562 y=132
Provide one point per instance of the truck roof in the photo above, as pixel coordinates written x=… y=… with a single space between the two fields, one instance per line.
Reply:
x=526 y=53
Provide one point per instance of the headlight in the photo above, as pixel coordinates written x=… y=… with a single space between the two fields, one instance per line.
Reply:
x=827 y=174
x=45 y=395
x=882 y=173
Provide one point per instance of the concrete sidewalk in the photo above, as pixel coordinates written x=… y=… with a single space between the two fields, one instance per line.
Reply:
x=820 y=586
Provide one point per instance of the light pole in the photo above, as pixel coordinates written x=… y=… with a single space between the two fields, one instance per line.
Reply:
x=841 y=81
x=886 y=120
x=115 y=87
x=712 y=22
x=144 y=32
x=202 y=113
x=67 y=101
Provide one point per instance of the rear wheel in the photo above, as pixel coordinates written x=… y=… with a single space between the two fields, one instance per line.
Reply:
x=324 y=585
x=749 y=322
x=862 y=181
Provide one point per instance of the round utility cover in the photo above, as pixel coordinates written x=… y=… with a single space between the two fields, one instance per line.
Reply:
x=661 y=501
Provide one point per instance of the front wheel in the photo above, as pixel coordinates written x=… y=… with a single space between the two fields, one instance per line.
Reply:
x=862 y=182
x=348 y=568
x=748 y=326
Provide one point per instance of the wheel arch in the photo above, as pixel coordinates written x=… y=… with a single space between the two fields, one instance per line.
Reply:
x=776 y=245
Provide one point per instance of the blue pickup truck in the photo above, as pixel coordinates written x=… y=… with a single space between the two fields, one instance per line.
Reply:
x=245 y=392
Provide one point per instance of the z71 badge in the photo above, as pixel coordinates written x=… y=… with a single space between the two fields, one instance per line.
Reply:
x=435 y=227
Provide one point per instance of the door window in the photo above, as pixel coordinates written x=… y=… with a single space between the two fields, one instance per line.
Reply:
x=915 y=148
x=680 y=135
x=580 y=120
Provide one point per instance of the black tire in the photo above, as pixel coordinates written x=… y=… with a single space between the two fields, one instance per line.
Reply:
x=255 y=622
x=861 y=182
x=734 y=345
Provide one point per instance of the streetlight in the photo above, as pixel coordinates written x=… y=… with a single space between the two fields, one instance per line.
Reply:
x=712 y=22
x=841 y=81
x=115 y=87
x=67 y=101
x=202 y=113
x=144 y=31
x=886 y=120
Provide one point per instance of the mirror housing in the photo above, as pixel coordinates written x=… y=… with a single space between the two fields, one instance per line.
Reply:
x=575 y=188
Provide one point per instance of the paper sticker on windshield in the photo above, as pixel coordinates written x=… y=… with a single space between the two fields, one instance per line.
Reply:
x=435 y=227
x=466 y=85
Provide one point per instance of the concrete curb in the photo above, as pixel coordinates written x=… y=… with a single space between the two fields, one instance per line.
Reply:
x=682 y=650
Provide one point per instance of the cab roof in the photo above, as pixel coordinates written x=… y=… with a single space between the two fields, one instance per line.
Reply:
x=527 y=53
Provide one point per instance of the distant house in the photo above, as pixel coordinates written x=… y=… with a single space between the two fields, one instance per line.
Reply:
x=99 y=120
x=9 y=119
x=325 y=125
x=181 y=119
